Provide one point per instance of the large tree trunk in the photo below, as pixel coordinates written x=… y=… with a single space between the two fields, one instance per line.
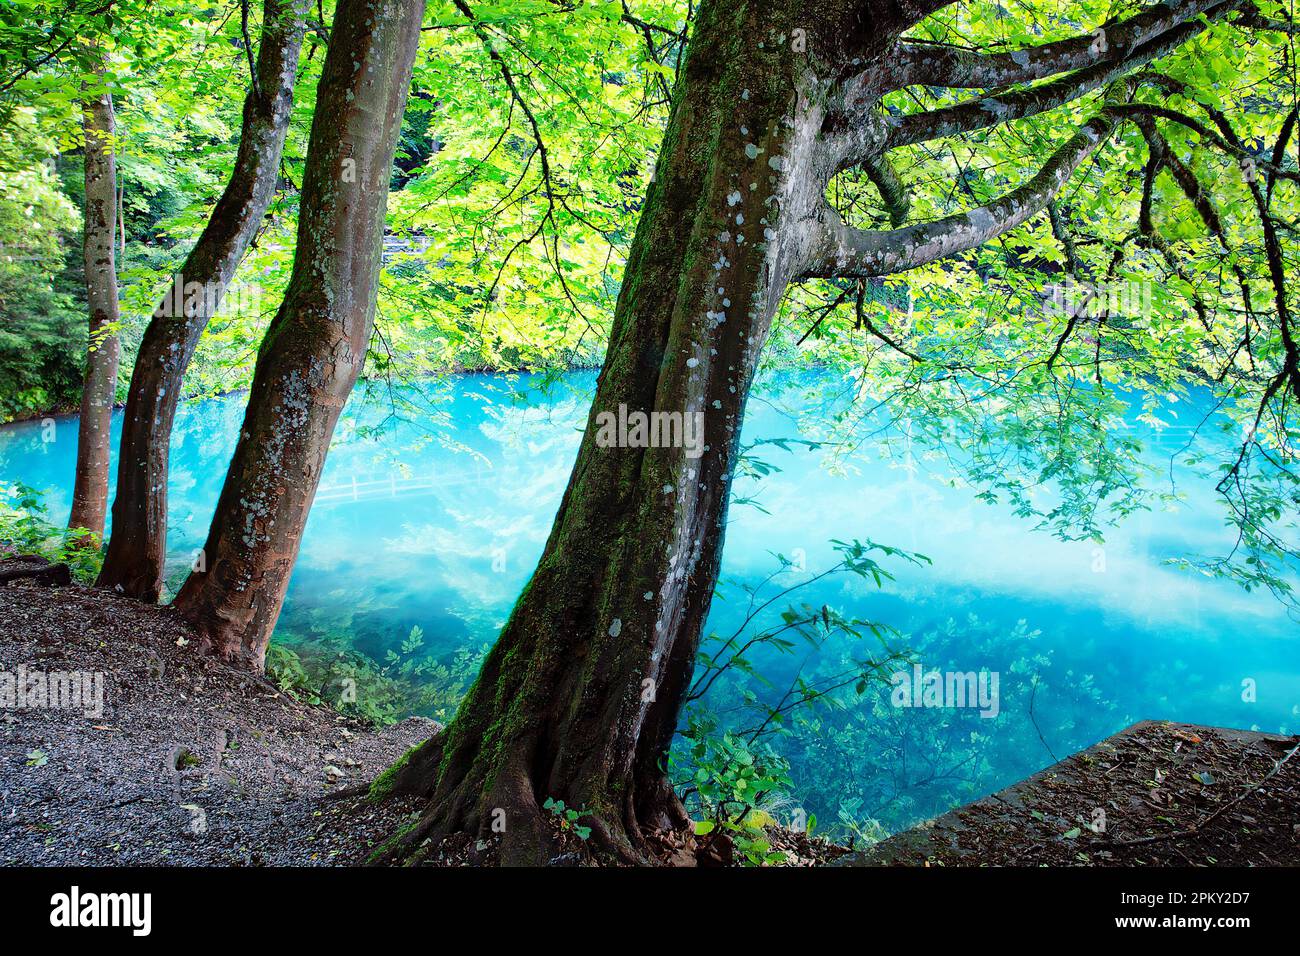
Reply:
x=137 y=550
x=315 y=347
x=580 y=697
x=90 y=490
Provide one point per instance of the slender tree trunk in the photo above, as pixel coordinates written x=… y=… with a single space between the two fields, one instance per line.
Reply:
x=580 y=697
x=90 y=490
x=315 y=347
x=137 y=550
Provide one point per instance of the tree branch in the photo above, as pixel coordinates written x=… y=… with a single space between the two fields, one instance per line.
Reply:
x=897 y=200
x=928 y=64
x=995 y=110
x=841 y=250
x=1254 y=20
x=1233 y=148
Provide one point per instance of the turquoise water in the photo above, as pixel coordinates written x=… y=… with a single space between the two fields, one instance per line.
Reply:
x=432 y=515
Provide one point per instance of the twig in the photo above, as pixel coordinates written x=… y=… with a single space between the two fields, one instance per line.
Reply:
x=1199 y=824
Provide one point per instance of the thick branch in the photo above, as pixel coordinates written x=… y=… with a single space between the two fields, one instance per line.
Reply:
x=845 y=251
x=893 y=193
x=987 y=111
x=1254 y=20
x=928 y=64
x=1163 y=157
x=1186 y=180
x=1232 y=147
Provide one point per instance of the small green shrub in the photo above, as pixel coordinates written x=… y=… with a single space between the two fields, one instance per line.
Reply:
x=25 y=528
x=736 y=788
x=567 y=817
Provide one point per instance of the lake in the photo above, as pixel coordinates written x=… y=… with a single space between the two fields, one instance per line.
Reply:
x=436 y=502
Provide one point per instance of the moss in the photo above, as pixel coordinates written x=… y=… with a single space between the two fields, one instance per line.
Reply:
x=383 y=784
x=388 y=845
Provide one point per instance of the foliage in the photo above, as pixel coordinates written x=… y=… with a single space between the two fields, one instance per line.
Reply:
x=726 y=769
x=1024 y=363
x=25 y=529
x=41 y=334
x=736 y=788
x=525 y=150
x=567 y=817
x=800 y=627
x=407 y=683
x=874 y=763
x=769 y=741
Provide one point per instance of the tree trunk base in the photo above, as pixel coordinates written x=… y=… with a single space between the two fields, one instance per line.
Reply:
x=222 y=637
x=138 y=583
x=506 y=823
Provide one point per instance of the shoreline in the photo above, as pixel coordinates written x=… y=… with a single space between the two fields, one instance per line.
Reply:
x=190 y=762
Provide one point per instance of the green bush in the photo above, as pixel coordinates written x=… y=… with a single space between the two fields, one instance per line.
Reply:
x=26 y=529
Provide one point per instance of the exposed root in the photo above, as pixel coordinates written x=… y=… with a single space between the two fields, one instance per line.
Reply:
x=470 y=821
x=414 y=775
x=34 y=568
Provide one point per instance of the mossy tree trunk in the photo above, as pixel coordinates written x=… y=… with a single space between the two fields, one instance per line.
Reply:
x=581 y=695
x=137 y=549
x=90 y=488
x=579 y=698
x=315 y=346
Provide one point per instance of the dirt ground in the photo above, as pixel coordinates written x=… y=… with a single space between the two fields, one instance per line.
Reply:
x=1156 y=794
x=193 y=763
x=189 y=763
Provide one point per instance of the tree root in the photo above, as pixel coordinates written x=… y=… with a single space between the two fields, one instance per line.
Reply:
x=35 y=568
x=472 y=821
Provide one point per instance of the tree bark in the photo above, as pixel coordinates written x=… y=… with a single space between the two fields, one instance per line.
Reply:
x=137 y=549
x=90 y=489
x=580 y=696
x=315 y=346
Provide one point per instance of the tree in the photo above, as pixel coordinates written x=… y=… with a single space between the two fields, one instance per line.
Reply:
x=314 y=349
x=137 y=549
x=90 y=490
x=580 y=696
x=41 y=327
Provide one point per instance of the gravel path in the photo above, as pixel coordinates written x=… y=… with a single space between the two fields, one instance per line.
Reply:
x=189 y=762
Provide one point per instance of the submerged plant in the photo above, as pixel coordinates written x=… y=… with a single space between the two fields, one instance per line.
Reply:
x=327 y=669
